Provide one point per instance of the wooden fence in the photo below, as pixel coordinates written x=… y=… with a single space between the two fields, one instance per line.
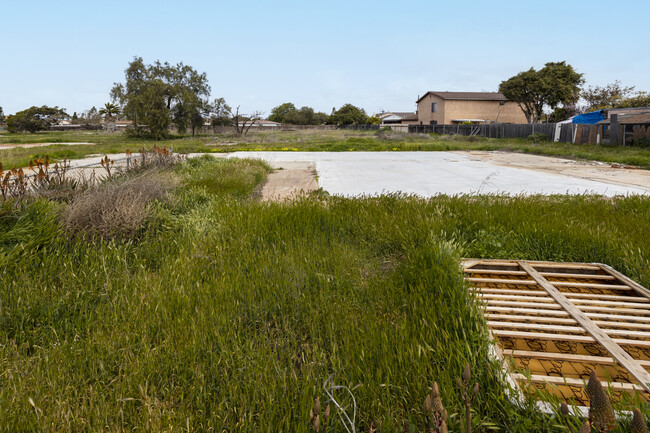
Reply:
x=494 y=130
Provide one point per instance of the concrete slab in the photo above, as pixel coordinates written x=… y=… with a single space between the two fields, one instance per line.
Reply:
x=431 y=173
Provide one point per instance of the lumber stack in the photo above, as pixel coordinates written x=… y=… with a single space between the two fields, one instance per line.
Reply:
x=553 y=323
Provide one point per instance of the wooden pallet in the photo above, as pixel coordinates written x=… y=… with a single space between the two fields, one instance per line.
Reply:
x=555 y=322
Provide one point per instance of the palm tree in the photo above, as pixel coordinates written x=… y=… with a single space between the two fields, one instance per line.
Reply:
x=109 y=110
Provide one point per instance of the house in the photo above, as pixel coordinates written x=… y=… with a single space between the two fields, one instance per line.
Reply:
x=447 y=108
x=398 y=118
x=260 y=123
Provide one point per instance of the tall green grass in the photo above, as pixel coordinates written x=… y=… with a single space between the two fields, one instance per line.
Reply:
x=229 y=314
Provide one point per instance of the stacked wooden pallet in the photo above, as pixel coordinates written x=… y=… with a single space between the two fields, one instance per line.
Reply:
x=555 y=322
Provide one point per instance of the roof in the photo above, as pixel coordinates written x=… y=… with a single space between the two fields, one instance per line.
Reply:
x=629 y=119
x=466 y=96
x=400 y=114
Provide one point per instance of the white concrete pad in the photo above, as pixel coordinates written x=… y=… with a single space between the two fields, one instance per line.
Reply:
x=431 y=173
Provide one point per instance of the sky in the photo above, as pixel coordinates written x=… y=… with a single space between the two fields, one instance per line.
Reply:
x=379 y=55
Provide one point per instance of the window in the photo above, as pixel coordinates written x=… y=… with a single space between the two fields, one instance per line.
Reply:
x=433 y=122
x=434 y=107
x=502 y=103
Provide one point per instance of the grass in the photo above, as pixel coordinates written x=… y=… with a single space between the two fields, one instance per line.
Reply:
x=228 y=314
x=308 y=140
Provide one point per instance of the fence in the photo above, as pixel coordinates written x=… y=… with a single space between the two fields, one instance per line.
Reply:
x=494 y=130
x=228 y=129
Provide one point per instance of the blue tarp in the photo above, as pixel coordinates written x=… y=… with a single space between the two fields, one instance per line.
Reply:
x=589 y=118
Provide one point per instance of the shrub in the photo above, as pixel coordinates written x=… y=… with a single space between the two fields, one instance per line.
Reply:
x=537 y=138
x=116 y=209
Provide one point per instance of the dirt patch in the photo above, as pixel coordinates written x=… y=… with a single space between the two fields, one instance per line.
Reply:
x=27 y=145
x=590 y=170
x=290 y=180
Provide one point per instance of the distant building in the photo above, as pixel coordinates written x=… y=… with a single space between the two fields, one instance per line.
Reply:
x=261 y=124
x=447 y=108
x=398 y=118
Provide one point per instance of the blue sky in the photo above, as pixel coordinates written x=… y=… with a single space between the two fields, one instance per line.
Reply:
x=259 y=54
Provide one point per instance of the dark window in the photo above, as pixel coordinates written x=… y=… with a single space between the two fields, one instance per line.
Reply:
x=502 y=103
x=433 y=122
x=434 y=107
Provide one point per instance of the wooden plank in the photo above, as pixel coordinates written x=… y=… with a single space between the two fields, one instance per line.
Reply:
x=542 y=293
x=535 y=263
x=638 y=288
x=639 y=312
x=590 y=285
x=578 y=276
x=501 y=281
x=545 y=298
x=514 y=310
x=494 y=271
x=565 y=337
x=583 y=266
x=556 y=380
x=567 y=321
x=492 y=290
x=604 y=316
x=533 y=319
x=621 y=356
x=611 y=303
x=570 y=329
x=571 y=357
x=612 y=297
x=544 y=336
x=470 y=263
x=525 y=304
x=536 y=326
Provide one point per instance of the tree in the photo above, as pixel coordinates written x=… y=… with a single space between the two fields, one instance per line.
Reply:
x=373 y=120
x=281 y=112
x=2 y=117
x=35 y=119
x=219 y=113
x=609 y=96
x=288 y=113
x=243 y=123
x=155 y=95
x=348 y=115
x=554 y=85
x=109 y=111
x=641 y=99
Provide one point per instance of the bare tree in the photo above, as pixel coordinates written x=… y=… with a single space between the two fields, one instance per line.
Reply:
x=243 y=122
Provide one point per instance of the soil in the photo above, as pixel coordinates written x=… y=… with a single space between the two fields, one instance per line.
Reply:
x=26 y=145
x=590 y=170
x=289 y=180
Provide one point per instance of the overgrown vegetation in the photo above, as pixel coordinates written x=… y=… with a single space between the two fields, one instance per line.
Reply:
x=225 y=313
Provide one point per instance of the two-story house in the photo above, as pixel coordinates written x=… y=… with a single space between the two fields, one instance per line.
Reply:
x=447 y=108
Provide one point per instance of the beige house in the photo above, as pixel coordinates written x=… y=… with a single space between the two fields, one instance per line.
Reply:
x=448 y=108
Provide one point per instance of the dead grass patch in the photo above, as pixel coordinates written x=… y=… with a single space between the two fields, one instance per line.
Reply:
x=118 y=208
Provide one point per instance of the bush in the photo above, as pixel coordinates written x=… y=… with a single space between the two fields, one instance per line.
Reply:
x=537 y=138
x=116 y=209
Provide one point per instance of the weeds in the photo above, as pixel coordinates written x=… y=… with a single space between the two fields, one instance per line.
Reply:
x=116 y=208
x=226 y=314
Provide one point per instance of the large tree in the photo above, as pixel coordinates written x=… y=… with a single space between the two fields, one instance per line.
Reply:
x=281 y=112
x=288 y=113
x=556 y=84
x=155 y=95
x=348 y=115
x=609 y=96
x=35 y=119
